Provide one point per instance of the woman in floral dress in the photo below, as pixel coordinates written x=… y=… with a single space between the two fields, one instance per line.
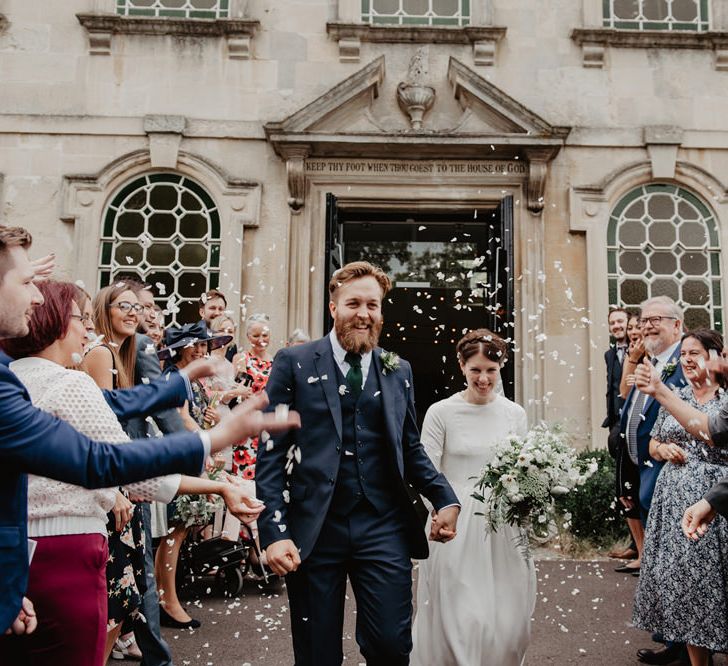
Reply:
x=252 y=367
x=683 y=588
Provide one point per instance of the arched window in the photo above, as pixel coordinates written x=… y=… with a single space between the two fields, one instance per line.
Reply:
x=663 y=241
x=656 y=14
x=165 y=228
x=416 y=12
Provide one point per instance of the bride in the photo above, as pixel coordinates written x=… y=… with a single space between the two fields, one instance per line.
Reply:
x=476 y=594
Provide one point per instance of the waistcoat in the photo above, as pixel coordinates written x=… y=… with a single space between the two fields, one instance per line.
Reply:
x=365 y=469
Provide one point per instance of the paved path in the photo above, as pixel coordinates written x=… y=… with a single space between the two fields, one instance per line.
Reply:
x=582 y=614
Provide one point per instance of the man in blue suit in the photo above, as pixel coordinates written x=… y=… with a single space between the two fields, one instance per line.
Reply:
x=341 y=495
x=661 y=320
x=32 y=441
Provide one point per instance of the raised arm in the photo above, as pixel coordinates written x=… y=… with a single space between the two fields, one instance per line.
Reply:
x=693 y=420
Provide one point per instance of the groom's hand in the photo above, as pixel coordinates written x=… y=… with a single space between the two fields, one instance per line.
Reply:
x=282 y=557
x=444 y=524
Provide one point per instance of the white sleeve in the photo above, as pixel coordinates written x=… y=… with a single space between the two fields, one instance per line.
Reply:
x=80 y=402
x=433 y=435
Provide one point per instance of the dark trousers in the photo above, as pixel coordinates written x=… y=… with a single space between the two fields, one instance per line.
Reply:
x=155 y=651
x=372 y=550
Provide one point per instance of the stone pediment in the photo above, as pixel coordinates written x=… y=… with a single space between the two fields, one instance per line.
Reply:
x=458 y=116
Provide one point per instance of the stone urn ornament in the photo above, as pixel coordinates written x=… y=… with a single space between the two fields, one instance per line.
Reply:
x=414 y=97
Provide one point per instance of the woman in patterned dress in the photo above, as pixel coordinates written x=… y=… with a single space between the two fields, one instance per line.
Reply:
x=252 y=368
x=683 y=588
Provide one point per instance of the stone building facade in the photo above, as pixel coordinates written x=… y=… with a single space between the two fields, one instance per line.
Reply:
x=575 y=150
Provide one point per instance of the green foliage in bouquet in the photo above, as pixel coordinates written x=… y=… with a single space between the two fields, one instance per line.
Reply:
x=198 y=509
x=591 y=513
x=526 y=481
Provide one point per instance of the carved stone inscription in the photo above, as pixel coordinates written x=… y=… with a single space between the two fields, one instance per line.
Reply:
x=418 y=167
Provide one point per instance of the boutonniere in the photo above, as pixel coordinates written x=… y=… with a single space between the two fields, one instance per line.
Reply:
x=390 y=362
x=669 y=368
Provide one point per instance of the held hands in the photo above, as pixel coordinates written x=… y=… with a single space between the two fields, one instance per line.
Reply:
x=282 y=557
x=697 y=519
x=248 y=420
x=444 y=522
x=646 y=378
x=672 y=453
x=26 y=622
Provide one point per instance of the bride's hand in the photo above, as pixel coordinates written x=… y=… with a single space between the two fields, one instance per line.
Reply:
x=444 y=523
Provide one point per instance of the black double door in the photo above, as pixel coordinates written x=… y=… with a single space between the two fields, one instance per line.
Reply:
x=451 y=272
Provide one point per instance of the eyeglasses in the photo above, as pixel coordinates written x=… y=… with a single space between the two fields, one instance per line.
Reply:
x=84 y=319
x=653 y=321
x=126 y=307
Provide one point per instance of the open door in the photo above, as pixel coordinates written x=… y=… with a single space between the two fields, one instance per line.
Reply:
x=334 y=252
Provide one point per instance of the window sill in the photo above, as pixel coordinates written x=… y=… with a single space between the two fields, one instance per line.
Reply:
x=350 y=36
x=101 y=27
x=594 y=42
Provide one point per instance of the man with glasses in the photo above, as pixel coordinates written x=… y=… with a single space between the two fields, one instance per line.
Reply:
x=661 y=323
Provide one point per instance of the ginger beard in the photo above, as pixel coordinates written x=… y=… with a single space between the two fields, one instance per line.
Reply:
x=358 y=335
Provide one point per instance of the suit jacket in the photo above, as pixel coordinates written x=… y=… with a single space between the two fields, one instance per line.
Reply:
x=304 y=377
x=614 y=377
x=717 y=497
x=148 y=368
x=32 y=441
x=649 y=472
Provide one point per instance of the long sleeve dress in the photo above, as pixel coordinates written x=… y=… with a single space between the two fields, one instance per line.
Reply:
x=475 y=594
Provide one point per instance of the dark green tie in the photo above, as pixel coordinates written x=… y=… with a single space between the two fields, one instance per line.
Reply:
x=354 y=377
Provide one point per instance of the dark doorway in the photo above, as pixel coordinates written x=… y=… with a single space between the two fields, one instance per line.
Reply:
x=451 y=272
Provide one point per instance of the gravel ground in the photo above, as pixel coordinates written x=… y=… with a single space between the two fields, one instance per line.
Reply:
x=582 y=617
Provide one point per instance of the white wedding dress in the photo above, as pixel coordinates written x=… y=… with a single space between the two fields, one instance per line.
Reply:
x=475 y=594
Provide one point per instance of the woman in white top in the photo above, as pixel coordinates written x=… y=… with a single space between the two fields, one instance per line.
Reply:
x=476 y=594
x=68 y=523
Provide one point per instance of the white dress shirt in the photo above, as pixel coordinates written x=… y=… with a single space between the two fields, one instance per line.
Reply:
x=340 y=354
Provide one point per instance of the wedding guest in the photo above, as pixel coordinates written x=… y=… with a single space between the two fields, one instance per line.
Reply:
x=110 y=361
x=683 y=589
x=214 y=304
x=32 y=441
x=67 y=522
x=252 y=368
x=147 y=632
x=614 y=359
x=475 y=595
x=298 y=337
x=184 y=346
x=624 y=482
x=635 y=354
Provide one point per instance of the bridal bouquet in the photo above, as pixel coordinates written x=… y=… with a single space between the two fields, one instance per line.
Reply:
x=522 y=484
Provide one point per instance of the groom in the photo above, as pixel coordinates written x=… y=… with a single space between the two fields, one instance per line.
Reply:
x=341 y=494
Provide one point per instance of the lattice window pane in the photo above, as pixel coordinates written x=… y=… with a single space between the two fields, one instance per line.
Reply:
x=662 y=241
x=656 y=14
x=416 y=12
x=211 y=9
x=166 y=229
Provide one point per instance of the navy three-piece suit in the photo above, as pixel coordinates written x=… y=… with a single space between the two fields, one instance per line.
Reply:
x=345 y=488
x=34 y=442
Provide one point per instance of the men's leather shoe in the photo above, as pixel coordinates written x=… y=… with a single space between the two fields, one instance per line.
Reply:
x=674 y=654
x=623 y=554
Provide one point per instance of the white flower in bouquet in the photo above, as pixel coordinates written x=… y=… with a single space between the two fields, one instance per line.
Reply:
x=526 y=478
